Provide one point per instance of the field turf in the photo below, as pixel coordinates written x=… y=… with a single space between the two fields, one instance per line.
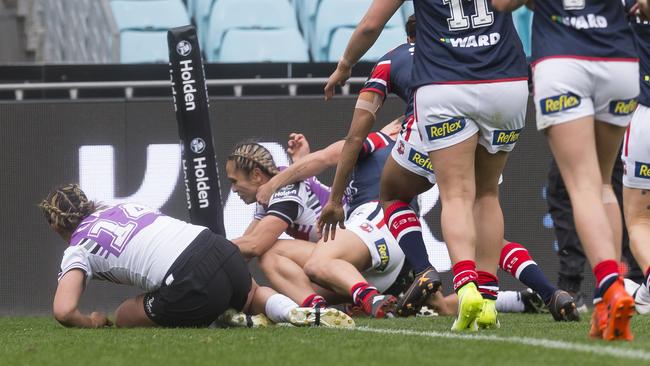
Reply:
x=522 y=340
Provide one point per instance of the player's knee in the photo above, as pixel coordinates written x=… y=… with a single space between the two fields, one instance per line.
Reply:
x=268 y=262
x=315 y=269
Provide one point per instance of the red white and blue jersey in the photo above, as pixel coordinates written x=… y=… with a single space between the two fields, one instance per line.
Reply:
x=461 y=41
x=364 y=185
x=392 y=74
x=128 y=244
x=641 y=30
x=589 y=29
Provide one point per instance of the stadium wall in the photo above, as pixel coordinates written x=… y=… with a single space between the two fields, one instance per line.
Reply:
x=128 y=150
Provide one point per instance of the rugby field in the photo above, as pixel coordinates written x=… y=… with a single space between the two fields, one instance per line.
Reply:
x=522 y=339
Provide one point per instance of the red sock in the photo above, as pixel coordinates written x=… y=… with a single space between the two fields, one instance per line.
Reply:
x=361 y=293
x=464 y=272
x=314 y=301
x=647 y=277
x=604 y=271
x=514 y=258
x=488 y=285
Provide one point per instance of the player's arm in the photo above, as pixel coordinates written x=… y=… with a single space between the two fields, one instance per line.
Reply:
x=262 y=237
x=364 y=117
x=66 y=302
x=511 y=5
x=310 y=165
x=251 y=226
x=364 y=36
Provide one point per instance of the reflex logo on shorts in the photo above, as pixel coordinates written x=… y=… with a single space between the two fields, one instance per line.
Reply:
x=504 y=137
x=559 y=103
x=642 y=170
x=622 y=107
x=445 y=129
x=384 y=256
x=421 y=160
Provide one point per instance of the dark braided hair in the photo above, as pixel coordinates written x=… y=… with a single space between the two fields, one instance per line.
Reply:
x=249 y=155
x=66 y=207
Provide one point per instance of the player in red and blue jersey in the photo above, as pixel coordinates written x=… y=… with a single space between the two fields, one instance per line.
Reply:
x=636 y=157
x=585 y=71
x=468 y=59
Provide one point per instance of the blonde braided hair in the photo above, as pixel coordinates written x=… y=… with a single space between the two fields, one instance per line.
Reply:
x=66 y=207
x=250 y=155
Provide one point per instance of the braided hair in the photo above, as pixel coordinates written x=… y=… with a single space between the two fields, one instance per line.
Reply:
x=66 y=207
x=249 y=155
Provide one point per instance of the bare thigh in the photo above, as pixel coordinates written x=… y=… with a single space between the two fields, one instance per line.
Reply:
x=131 y=314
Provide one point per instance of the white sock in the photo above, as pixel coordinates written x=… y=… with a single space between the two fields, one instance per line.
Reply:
x=278 y=307
x=509 y=302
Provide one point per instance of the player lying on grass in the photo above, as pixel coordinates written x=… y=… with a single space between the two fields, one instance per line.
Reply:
x=191 y=275
x=294 y=209
x=364 y=187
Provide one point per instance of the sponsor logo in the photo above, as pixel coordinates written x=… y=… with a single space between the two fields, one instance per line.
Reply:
x=183 y=48
x=384 y=255
x=622 y=107
x=202 y=181
x=504 y=137
x=290 y=190
x=642 y=170
x=400 y=148
x=559 y=103
x=365 y=227
x=483 y=40
x=189 y=90
x=197 y=145
x=149 y=306
x=589 y=21
x=421 y=160
x=444 y=129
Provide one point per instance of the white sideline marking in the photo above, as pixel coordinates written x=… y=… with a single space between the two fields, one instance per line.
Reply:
x=538 y=342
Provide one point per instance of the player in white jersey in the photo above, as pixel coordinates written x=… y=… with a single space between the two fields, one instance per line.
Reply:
x=190 y=275
x=289 y=208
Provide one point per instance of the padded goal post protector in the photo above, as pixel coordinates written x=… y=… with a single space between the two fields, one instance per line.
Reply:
x=191 y=104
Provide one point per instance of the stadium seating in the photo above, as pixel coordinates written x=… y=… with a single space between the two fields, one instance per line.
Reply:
x=329 y=18
x=407 y=10
x=389 y=39
x=523 y=19
x=251 y=14
x=150 y=14
x=252 y=45
x=143 y=46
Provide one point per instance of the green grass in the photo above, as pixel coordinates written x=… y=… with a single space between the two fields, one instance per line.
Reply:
x=41 y=341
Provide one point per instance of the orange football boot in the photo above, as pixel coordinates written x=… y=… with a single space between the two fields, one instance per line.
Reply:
x=618 y=308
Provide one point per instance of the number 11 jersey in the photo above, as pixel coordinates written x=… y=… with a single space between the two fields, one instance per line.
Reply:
x=465 y=42
x=128 y=244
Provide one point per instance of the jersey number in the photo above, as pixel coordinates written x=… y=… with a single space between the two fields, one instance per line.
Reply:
x=119 y=233
x=459 y=21
x=573 y=4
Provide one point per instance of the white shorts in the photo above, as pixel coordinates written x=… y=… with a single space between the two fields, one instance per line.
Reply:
x=448 y=114
x=567 y=89
x=407 y=152
x=636 y=150
x=367 y=222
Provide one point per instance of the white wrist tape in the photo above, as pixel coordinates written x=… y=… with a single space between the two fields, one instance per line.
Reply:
x=608 y=194
x=372 y=106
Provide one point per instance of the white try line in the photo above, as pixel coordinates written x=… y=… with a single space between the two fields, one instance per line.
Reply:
x=537 y=342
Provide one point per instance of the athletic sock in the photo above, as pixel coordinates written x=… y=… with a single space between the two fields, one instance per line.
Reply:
x=647 y=278
x=606 y=273
x=516 y=260
x=405 y=226
x=510 y=302
x=488 y=285
x=278 y=307
x=464 y=272
x=314 y=301
x=362 y=293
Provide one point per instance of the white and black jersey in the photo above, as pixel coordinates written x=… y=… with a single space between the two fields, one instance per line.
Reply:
x=298 y=206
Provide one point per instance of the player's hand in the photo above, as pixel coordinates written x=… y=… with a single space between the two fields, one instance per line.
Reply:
x=331 y=216
x=99 y=320
x=338 y=77
x=298 y=146
x=264 y=193
x=641 y=8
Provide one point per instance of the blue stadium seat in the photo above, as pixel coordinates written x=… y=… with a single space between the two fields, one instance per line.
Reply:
x=150 y=14
x=255 y=45
x=407 y=10
x=330 y=17
x=389 y=39
x=256 y=14
x=143 y=47
x=523 y=19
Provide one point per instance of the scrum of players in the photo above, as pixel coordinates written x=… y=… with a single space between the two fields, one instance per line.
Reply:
x=357 y=246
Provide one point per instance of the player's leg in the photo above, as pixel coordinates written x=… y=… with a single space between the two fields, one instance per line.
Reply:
x=283 y=266
x=131 y=313
x=399 y=187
